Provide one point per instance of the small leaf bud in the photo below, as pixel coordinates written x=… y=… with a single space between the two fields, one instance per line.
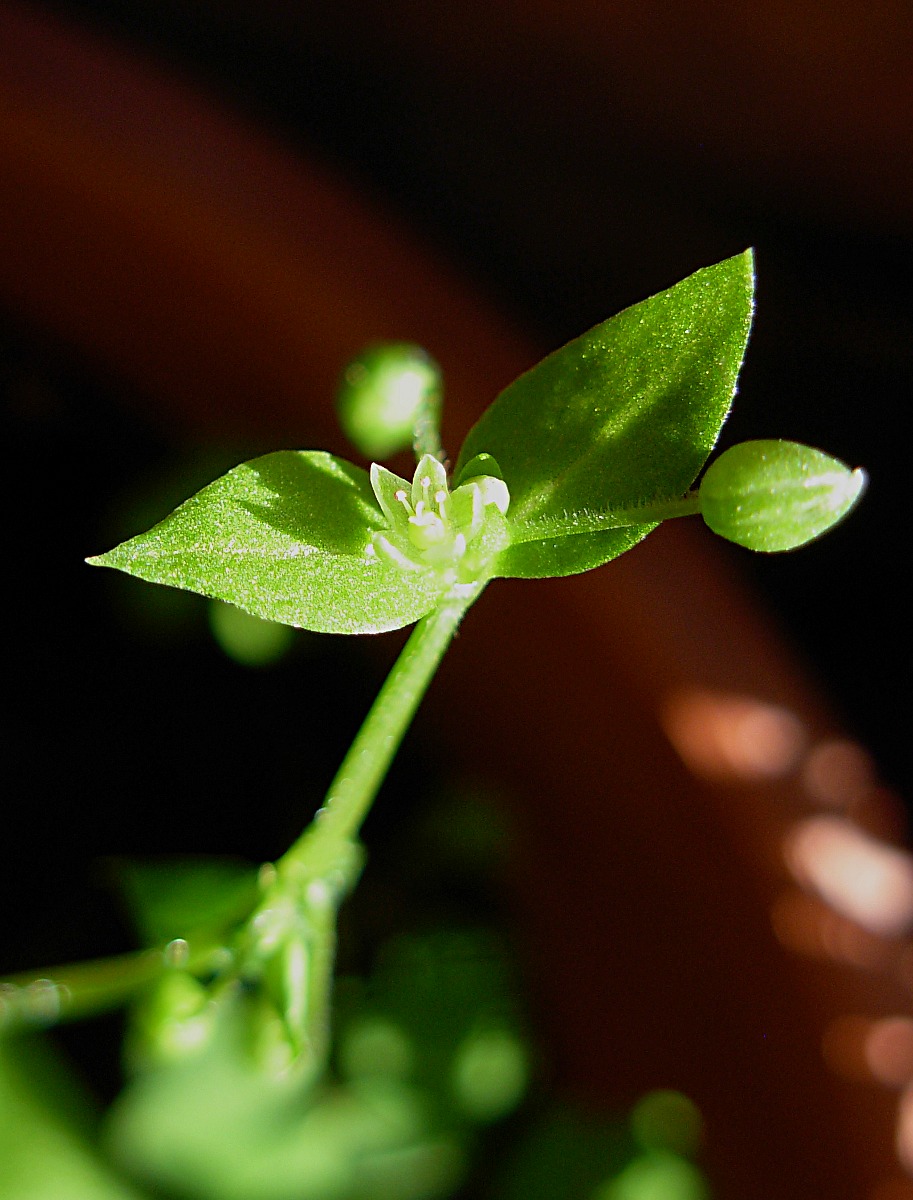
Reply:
x=775 y=495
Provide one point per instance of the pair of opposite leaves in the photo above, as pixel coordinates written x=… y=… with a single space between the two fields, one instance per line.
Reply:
x=623 y=417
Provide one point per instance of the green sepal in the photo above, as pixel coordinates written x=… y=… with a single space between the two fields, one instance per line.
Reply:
x=774 y=495
x=623 y=417
x=385 y=485
x=285 y=537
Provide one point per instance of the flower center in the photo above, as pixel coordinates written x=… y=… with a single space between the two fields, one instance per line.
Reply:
x=427 y=527
x=431 y=527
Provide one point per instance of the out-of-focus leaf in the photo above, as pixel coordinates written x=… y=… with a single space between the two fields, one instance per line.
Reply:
x=214 y=1127
x=43 y=1156
x=173 y=897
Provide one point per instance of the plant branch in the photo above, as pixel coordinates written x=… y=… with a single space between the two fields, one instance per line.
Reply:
x=77 y=990
x=588 y=521
x=426 y=430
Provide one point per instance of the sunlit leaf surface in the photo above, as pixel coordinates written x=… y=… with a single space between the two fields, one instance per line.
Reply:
x=284 y=537
x=623 y=416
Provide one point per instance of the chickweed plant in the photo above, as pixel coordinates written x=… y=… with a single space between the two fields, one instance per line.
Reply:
x=572 y=465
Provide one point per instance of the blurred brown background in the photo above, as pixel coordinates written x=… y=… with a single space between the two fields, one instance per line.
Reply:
x=161 y=293
x=575 y=158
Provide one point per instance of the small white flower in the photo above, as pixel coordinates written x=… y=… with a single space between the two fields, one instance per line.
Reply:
x=430 y=527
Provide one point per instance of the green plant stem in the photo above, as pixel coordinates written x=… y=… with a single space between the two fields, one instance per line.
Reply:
x=596 y=522
x=426 y=432
x=322 y=866
x=326 y=853
x=77 y=990
x=363 y=769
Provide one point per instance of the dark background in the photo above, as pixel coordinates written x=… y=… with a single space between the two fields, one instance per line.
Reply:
x=572 y=159
x=569 y=159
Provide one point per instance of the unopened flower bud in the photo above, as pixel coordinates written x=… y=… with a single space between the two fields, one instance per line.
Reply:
x=382 y=395
x=775 y=495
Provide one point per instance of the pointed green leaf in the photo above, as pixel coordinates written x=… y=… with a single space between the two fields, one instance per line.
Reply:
x=622 y=417
x=286 y=537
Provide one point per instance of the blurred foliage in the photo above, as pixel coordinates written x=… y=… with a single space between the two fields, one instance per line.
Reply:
x=44 y=1152
x=170 y=898
x=431 y=1052
x=248 y=640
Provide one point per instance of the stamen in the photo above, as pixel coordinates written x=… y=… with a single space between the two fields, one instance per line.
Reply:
x=402 y=497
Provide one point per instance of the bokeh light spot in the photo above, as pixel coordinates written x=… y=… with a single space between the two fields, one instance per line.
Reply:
x=863 y=879
x=837 y=772
x=667 y=1120
x=490 y=1073
x=732 y=737
x=904 y=1130
x=889 y=1050
x=376 y=1047
x=246 y=639
x=656 y=1177
x=806 y=925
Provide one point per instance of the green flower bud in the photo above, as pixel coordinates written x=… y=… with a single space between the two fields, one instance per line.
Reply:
x=773 y=495
x=383 y=394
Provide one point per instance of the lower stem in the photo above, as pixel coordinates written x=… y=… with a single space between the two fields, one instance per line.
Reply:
x=82 y=989
x=365 y=765
x=326 y=854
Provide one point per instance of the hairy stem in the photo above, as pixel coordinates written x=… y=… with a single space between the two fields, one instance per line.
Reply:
x=426 y=432
x=588 y=521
